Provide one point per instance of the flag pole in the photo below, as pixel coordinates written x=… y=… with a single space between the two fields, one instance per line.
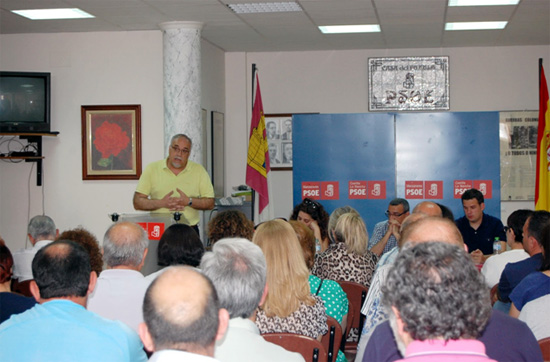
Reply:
x=540 y=80
x=253 y=194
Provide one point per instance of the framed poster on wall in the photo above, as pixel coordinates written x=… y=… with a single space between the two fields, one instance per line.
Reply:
x=279 y=137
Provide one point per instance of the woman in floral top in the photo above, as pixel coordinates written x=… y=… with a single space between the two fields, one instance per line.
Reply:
x=289 y=306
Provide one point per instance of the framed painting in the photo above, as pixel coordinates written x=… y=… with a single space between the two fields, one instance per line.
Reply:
x=279 y=138
x=111 y=142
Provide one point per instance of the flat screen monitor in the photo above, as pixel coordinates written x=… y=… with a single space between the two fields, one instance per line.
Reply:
x=24 y=102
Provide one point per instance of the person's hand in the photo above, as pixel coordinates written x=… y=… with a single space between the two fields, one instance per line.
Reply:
x=179 y=203
x=394 y=227
x=477 y=256
x=166 y=201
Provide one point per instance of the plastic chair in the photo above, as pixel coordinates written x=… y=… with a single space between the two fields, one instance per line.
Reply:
x=357 y=293
x=311 y=349
x=544 y=345
x=332 y=339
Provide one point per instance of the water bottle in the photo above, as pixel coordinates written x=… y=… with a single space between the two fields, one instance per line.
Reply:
x=317 y=246
x=496 y=246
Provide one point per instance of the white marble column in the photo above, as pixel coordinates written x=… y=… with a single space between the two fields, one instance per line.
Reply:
x=182 y=83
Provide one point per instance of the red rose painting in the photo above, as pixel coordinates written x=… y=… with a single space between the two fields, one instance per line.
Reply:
x=110 y=139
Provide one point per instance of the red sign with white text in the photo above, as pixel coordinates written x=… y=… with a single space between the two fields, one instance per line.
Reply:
x=485 y=186
x=460 y=187
x=357 y=190
x=330 y=190
x=433 y=189
x=376 y=190
x=311 y=190
x=414 y=189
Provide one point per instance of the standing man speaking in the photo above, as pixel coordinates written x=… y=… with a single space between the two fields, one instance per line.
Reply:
x=176 y=184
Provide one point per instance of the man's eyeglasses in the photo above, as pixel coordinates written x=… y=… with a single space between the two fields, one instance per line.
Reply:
x=506 y=228
x=179 y=150
x=394 y=214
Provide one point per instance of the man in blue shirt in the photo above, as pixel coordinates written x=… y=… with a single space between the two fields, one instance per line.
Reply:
x=477 y=228
x=386 y=233
x=60 y=328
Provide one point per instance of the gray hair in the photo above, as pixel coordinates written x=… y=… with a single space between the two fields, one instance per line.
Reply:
x=335 y=215
x=181 y=135
x=438 y=292
x=237 y=267
x=42 y=227
x=398 y=201
x=124 y=244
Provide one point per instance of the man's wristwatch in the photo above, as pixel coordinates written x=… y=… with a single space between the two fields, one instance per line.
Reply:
x=190 y=202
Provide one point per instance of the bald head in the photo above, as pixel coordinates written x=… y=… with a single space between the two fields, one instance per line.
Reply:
x=180 y=310
x=125 y=244
x=432 y=229
x=428 y=208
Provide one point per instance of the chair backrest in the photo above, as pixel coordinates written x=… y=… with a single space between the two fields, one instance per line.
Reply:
x=23 y=287
x=494 y=297
x=357 y=293
x=311 y=349
x=545 y=348
x=332 y=339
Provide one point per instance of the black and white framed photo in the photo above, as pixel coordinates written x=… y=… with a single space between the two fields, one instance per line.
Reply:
x=279 y=137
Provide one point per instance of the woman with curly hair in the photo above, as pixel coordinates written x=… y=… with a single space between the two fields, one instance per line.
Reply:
x=229 y=224
x=289 y=306
x=313 y=214
x=85 y=238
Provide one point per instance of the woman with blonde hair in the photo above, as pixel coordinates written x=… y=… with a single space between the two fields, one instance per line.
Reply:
x=289 y=306
x=348 y=259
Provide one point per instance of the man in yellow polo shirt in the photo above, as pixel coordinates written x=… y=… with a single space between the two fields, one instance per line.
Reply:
x=175 y=184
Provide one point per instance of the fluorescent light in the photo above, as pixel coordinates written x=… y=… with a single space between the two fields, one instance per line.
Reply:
x=347 y=29
x=45 y=14
x=482 y=2
x=476 y=25
x=278 y=7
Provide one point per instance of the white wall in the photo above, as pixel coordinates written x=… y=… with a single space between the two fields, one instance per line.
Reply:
x=89 y=69
x=482 y=79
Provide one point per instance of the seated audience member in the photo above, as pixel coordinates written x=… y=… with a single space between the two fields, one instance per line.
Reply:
x=531 y=298
x=179 y=245
x=60 y=328
x=494 y=265
x=514 y=273
x=289 y=306
x=505 y=338
x=229 y=224
x=439 y=304
x=333 y=219
x=477 y=228
x=238 y=271
x=10 y=303
x=386 y=233
x=182 y=317
x=348 y=259
x=446 y=212
x=334 y=297
x=41 y=231
x=313 y=214
x=121 y=287
x=89 y=242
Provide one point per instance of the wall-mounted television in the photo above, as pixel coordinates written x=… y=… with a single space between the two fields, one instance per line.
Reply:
x=24 y=102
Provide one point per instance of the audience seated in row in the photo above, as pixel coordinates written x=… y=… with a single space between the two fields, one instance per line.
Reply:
x=60 y=328
x=238 y=270
x=505 y=338
x=289 y=306
x=531 y=298
x=179 y=245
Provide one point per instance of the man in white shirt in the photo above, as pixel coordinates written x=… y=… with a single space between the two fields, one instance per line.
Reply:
x=183 y=318
x=121 y=287
x=494 y=265
x=237 y=269
x=41 y=231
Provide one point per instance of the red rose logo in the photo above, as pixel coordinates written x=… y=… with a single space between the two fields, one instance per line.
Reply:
x=110 y=139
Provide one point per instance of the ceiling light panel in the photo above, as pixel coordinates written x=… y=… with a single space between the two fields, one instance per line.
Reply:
x=48 y=14
x=477 y=25
x=274 y=7
x=482 y=2
x=349 y=29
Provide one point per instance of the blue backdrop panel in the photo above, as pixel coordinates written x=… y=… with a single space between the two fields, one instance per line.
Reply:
x=448 y=147
x=343 y=148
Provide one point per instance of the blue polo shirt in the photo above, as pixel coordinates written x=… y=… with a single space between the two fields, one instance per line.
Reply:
x=514 y=273
x=483 y=237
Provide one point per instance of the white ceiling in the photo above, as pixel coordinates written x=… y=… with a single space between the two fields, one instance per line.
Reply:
x=404 y=23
